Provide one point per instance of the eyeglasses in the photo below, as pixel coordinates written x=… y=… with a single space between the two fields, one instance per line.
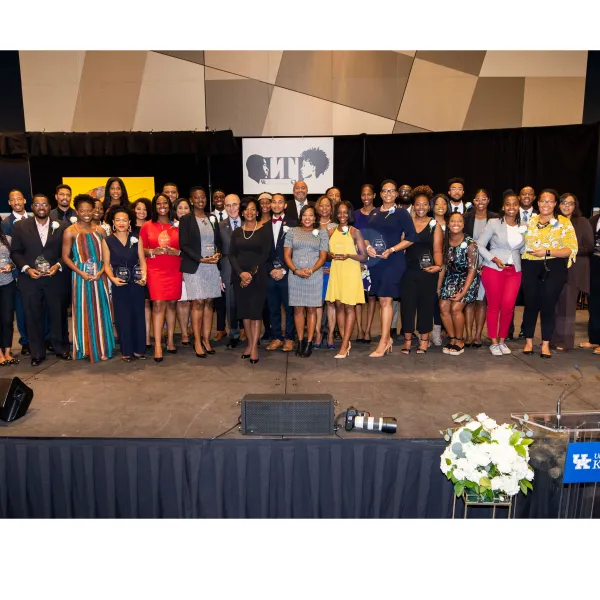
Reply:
x=40 y=204
x=388 y=191
x=231 y=205
x=565 y=203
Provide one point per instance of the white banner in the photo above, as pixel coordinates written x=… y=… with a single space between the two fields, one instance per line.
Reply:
x=275 y=164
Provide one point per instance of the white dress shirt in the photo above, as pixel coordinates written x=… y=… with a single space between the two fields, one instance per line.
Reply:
x=238 y=220
x=221 y=215
x=461 y=207
x=277 y=229
x=18 y=217
x=300 y=205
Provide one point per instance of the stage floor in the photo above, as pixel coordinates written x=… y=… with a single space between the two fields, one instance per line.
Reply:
x=187 y=397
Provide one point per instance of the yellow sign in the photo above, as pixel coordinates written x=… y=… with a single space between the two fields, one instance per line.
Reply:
x=137 y=187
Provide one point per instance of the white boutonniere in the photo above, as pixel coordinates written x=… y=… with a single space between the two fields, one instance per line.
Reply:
x=468 y=205
x=464 y=245
x=285 y=229
x=391 y=211
x=522 y=229
x=54 y=226
x=132 y=240
x=212 y=219
x=553 y=222
x=73 y=220
x=315 y=233
x=345 y=229
x=432 y=224
x=176 y=224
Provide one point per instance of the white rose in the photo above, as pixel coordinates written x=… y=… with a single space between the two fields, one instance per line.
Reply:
x=133 y=240
x=482 y=417
x=502 y=434
x=73 y=219
x=553 y=222
x=345 y=229
x=468 y=205
x=212 y=219
x=490 y=424
x=463 y=245
x=176 y=224
x=473 y=425
x=55 y=225
x=285 y=229
x=432 y=223
x=315 y=232
x=459 y=474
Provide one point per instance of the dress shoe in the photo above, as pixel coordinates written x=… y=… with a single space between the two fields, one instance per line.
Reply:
x=220 y=335
x=25 y=351
x=275 y=345
x=49 y=346
x=233 y=342
x=65 y=356
x=288 y=345
x=36 y=362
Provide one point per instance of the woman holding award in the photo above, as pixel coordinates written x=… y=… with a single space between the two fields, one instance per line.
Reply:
x=125 y=266
x=420 y=280
x=389 y=232
x=200 y=241
x=93 y=336
x=161 y=248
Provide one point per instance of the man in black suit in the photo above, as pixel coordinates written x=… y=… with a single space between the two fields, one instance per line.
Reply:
x=218 y=202
x=227 y=227
x=63 y=210
x=41 y=293
x=300 y=200
x=277 y=292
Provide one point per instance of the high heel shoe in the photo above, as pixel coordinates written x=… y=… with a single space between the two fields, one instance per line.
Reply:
x=301 y=346
x=307 y=350
x=244 y=356
x=159 y=359
x=409 y=342
x=211 y=351
x=388 y=350
x=200 y=355
x=253 y=361
x=421 y=342
x=174 y=351
x=347 y=353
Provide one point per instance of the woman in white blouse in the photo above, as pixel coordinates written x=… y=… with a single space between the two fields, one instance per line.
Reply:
x=501 y=274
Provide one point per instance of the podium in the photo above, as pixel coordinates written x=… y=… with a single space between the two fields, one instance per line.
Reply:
x=579 y=496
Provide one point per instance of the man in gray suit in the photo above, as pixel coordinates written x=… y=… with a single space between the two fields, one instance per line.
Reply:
x=227 y=227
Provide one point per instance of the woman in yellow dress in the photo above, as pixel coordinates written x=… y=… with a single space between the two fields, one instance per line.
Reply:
x=345 y=288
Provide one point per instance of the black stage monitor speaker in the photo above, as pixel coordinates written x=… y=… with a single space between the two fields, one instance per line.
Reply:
x=15 y=398
x=287 y=414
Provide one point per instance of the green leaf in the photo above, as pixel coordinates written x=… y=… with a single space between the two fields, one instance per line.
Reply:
x=459 y=488
x=514 y=438
x=520 y=450
x=523 y=488
x=484 y=482
x=448 y=461
x=526 y=442
x=527 y=484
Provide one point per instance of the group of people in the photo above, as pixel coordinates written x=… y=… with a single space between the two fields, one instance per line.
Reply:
x=442 y=266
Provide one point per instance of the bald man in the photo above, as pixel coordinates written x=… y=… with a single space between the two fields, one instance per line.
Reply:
x=227 y=227
x=300 y=200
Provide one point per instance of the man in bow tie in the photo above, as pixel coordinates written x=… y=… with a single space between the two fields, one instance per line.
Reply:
x=218 y=202
x=456 y=191
x=277 y=291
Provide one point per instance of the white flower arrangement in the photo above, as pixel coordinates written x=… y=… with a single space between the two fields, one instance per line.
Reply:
x=487 y=459
x=345 y=229
x=132 y=240
x=468 y=205
x=73 y=220
x=464 y=245
x=54 y=226
x=315 y=233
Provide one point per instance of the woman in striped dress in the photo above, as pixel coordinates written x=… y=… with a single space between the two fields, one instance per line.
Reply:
x=93 y=336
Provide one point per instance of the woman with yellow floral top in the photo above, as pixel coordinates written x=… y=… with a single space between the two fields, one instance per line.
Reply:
x=550 y=249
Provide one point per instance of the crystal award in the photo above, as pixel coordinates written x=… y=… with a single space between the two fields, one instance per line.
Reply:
x=379 y=246
x=4 y=263
x=90 y=267
x=42 y=266
x=277 y=264
x=122 y=273
x=208 y=250
x=137 y=272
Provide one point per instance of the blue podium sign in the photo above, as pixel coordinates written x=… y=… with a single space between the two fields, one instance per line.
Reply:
x=582 y=464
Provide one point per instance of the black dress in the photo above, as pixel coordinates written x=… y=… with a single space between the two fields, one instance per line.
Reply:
x=249 y=252
x=128 y=300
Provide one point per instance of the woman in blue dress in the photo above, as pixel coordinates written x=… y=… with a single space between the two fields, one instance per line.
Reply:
x=389 y=232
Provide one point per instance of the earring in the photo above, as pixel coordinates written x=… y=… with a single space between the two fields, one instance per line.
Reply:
x=114 y=228
x=129 y=228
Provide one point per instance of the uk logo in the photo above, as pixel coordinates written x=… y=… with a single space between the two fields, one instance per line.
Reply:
x=581 y=461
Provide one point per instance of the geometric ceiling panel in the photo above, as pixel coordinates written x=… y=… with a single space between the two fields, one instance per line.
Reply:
x=553 y=101
x=497 y=103
x=407 y=52
x=372 y=81
x=216 y=75
x=406 y=128
x=195 y=56
x=553 y=63
x=171 y=96
x=309 y=72
x=260 y=65
x=466 y=61
x=241 y=105
x=436 y=98
x=349 y=121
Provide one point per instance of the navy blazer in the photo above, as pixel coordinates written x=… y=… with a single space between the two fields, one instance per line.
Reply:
x=9 y=222
x=277 y=248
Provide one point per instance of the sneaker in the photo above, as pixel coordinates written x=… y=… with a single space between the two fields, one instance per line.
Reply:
x=436 y=335
x=496 y=350
x=504 y=348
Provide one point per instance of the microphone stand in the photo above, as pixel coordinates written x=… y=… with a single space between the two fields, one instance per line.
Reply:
x=565 y=393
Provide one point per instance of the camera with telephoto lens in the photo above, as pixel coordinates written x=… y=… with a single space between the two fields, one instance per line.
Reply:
x=360 y=419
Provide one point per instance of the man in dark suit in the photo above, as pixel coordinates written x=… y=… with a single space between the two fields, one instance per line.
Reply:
x=34 y=238
x=63 y=210
x=300 y=200
x=17 y=203
x=227 y=227
x=218 y=202
x=277 y=292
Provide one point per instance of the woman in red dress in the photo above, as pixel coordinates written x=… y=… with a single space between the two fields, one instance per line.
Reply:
x=161 y=246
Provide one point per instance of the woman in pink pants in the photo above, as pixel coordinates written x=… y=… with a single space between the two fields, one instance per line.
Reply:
x=500 y=246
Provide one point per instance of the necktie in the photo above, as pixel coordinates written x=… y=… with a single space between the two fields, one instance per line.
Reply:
x=234 y=225
x=220 y=215
x=276 y=220
x=525 y=216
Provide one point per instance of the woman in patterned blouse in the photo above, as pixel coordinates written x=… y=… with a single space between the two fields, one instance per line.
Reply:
x=550 y=249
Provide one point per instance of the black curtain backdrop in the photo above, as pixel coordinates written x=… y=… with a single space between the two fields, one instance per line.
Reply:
x=564 y=158
x=247 y=478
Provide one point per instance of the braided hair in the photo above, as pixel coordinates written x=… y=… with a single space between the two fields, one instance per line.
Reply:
x=3 y=239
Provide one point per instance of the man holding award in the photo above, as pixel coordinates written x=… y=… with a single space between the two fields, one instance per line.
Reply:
x=43 y=282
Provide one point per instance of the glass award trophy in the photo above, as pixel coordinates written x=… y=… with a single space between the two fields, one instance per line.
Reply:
x=208 y=250
x=90 y=267
x=163 y=239
x=42 y=266
x=379 y=246
x=425 y=260
x=122 y=273
x=277 y=264
x=4 y=263
x=137 y=272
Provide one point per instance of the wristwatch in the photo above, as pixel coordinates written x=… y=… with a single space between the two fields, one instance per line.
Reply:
x=393 y=248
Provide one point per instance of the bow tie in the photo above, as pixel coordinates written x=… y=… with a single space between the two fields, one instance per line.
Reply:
x=278 y=219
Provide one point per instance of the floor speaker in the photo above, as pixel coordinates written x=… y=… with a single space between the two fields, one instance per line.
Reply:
x=287 y=414
x=15 y=398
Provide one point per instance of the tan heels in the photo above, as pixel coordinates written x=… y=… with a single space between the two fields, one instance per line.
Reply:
x=388 y=350
x=347 y=353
